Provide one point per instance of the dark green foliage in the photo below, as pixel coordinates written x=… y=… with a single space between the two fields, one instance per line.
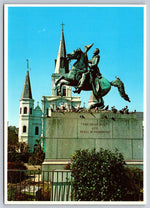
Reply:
x=37 y=156
x=134 y=184
x=100 y=176
x=16 y=195
x=67 y=167
x=12 y=135
x=16 y=176
x=14 y=157
x=11 y=193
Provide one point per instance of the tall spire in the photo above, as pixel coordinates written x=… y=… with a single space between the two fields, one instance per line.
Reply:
x=61 y=57
x=26 y=93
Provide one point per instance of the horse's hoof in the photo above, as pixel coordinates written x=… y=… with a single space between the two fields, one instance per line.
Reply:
x=102 y=106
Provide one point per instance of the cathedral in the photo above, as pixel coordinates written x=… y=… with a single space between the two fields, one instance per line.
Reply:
x=105 y=129
x=32 y=120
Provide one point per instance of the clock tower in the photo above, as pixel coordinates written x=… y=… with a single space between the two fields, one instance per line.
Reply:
x=61 y=68
x=50 y=103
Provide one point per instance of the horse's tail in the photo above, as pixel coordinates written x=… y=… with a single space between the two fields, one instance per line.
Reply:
x=119 y=84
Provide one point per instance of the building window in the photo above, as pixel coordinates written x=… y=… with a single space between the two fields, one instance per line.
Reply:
x=24 y=129
x=36 y=130
x=64 y=92
x=30 y=110
x=20 y=110
x=25 y=110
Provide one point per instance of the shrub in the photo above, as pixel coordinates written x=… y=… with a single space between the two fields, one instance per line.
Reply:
x=100 y=176
x=67 y=167
x=16 y=176
x=37 y=156
x=15 y=157
x=134 y=184
x=11 y=196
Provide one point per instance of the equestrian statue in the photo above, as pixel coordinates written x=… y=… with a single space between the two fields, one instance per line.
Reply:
x=85 y=75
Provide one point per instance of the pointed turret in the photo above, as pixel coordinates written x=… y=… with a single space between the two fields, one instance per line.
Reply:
x=61 y=66
x=26 y=93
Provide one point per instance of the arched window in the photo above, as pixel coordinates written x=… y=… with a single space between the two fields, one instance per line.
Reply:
x=20 y=110
x=30 y=110
x=24 y=129
x=64 y=92
x=36 y=130
x=25 y=110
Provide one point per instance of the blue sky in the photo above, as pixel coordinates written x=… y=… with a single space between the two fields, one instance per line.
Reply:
x=34 y=33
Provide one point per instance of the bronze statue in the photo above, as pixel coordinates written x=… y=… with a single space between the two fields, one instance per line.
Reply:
x=94 y=72
x=83 y=79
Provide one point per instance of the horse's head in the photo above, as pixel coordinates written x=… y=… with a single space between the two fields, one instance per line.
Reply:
x=76 y=54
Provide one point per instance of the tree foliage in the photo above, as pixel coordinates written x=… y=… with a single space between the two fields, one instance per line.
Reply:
x=37 y=156
x=12 y=135
x=100 y=176
x=17 y=175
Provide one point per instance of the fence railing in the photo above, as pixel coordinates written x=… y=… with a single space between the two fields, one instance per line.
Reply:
x=37 y=185
x=29 y=185
x=61 y=189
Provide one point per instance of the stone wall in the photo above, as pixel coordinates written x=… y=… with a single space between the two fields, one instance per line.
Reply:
x=68 y=132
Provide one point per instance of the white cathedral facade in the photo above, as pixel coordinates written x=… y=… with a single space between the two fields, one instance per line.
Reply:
x=32 y=120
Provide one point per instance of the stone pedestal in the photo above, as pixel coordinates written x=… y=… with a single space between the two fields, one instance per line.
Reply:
x=67 y=132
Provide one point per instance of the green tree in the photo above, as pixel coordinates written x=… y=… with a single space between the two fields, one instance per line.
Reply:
x=12 y=138
x=37 y=156
x=12 y=135
x=100 y=176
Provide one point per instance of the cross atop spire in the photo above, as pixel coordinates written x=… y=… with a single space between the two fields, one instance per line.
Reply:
x=27 y=64
x=62 y=24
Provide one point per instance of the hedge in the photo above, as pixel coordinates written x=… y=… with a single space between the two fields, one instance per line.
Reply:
x=102 y=176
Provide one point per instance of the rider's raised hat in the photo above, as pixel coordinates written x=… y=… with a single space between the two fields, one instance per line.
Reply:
x=87 y=47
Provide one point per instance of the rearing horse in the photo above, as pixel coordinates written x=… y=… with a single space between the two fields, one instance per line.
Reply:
x=102 y=85
x=79 y=67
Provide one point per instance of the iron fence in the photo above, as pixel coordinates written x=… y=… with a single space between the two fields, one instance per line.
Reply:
x=37 y=185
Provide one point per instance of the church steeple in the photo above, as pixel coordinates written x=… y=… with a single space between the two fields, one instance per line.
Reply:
x=61 y=65
x=26 y=93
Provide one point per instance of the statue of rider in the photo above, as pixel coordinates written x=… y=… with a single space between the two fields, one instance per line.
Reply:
x=94 y=72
